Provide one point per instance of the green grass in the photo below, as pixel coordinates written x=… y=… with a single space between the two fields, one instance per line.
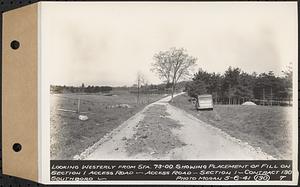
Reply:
x=71 y=136
x=268 y=128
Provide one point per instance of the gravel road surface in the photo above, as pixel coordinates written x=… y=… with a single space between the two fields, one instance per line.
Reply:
x=162 y=131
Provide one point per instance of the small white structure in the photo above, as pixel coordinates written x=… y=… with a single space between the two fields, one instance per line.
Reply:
x=83 y=117
x=248 y=103
x=124 y=106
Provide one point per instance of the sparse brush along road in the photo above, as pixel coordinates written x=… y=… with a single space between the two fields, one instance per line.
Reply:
x=162 y=131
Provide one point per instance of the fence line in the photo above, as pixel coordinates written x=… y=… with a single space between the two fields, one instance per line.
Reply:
x=101 y=102
x=264 y=102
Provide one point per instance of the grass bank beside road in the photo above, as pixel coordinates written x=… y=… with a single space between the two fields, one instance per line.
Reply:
x=71 y=136
x=265 y=127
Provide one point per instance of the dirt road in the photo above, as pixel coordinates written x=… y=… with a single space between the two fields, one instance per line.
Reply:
x=162 y=131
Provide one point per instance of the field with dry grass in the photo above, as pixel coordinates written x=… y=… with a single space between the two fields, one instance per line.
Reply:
x=71 y=136
x=264 y=127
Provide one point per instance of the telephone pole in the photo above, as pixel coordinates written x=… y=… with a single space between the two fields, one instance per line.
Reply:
x=263 y=96
x=271 y=96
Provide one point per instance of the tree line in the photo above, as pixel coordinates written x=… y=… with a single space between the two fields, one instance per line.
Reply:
x=236 y=86
x=79 y=89
x=232 y=87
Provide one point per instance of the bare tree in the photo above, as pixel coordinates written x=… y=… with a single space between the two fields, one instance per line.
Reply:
x=140 y=81
x=173 y=65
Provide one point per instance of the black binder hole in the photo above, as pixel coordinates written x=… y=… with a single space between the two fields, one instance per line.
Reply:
x=15 y=44
x=17 y=147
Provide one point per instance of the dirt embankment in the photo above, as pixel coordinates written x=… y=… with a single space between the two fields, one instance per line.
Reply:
x=154 y=134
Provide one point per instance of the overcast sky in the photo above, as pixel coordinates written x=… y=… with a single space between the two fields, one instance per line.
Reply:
x=108 y=43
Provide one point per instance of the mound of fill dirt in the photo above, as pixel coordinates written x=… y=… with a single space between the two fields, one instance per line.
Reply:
x=248 y=103
x=154 y=134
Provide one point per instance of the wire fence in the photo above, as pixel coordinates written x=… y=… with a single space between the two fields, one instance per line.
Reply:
x=263 y=102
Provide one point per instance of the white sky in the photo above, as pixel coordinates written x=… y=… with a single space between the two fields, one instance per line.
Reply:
x=108 y=43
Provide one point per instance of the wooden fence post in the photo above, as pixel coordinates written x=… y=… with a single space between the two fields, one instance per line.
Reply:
x=78 y=106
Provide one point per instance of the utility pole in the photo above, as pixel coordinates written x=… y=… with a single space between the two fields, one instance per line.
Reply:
x=263 y=96
x=271 y=96
x=138 y=97
x=78 y=106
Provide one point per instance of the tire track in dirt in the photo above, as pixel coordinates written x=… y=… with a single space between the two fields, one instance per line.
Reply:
x=206 y=142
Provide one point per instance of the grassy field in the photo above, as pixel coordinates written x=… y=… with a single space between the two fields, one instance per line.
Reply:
x=71 y=136
x=268 y=128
